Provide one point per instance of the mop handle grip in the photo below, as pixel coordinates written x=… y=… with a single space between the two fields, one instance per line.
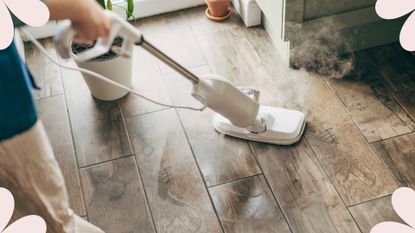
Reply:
x=119 y=28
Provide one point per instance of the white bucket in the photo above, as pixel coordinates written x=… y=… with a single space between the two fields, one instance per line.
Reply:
x=118 y=69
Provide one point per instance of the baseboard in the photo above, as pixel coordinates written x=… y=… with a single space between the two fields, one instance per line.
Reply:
x=344 y=20
x=363 y=28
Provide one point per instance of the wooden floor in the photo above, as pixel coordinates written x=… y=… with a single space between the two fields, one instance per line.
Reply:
x=131 y=166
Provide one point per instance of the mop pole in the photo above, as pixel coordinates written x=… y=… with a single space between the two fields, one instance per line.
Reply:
x=168 y=61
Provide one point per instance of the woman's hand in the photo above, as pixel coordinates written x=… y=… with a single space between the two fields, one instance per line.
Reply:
x=90 y=22
x=87 y=17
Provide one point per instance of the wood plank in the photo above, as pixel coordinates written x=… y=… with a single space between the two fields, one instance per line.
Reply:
x=53 y=113
x=395 y=67
x=368 y=214
x=231 y=56
x=201 y=24
x=114 y=196
x=305 y=193
x=147 y=80
x=98 y=126
x=372 y=106
x=173 y=35
x=46 y=74
x=333 y=136
x=221 y=159
x=177 y=197
x=350 y=162
x=248 y=206
x=399 y=155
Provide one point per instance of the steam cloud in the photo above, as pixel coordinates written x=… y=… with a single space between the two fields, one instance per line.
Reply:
x=319 y=52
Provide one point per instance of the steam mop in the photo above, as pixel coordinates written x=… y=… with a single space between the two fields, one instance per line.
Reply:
x=238 y=112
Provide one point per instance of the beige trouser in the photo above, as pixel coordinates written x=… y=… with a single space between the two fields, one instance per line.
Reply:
x=28 y=169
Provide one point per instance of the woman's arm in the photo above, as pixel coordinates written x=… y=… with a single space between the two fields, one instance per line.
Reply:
x=87 y=17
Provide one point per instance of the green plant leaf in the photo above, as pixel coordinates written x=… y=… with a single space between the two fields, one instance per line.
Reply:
x=102 y=3
x=109 y=5
x=130 y=8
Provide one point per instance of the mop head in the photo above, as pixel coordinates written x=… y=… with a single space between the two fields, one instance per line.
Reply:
x=283 y=126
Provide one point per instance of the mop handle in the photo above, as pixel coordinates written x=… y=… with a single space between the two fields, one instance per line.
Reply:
x=119 y=28
x=168 y=61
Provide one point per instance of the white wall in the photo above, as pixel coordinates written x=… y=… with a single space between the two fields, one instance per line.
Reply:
x=143 y=8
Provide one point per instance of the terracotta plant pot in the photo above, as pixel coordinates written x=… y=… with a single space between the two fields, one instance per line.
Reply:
x=218 y=8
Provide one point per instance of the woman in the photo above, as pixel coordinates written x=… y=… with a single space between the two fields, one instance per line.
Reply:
x=28 y=167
